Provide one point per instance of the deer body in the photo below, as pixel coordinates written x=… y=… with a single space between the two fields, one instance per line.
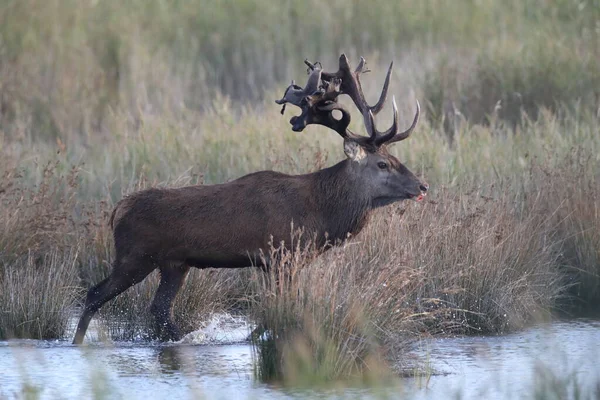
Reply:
x=230 y=225
x=227 y=225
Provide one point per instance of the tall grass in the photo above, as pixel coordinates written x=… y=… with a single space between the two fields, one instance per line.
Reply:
x=572 y=192
x=490 y=263
x=37 y=294
x=508 y=226
x=315 y=319
x=506 y=214
x=138 y=94
x=511 y=77
x=472 y=262
x=41 y=239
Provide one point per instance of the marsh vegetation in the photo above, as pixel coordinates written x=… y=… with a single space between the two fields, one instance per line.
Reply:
x=99 y=99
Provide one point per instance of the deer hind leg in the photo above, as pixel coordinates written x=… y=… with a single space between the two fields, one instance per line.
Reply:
x=172 y=278
x=125 y=273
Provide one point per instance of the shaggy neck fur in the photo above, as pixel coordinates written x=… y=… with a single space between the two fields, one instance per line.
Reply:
x=342 y=200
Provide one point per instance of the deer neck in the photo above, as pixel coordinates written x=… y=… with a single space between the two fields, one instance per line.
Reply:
x=342 y=200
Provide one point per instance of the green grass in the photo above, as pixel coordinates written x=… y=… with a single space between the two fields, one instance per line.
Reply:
x=66 y=66
x=516 y=76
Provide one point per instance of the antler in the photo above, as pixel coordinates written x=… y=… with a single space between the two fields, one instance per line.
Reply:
x=319 y=101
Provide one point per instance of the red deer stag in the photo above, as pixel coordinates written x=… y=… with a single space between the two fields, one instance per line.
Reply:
x=228 y=225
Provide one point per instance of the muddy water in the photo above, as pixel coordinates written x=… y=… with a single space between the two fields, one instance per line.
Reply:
x=210 y=364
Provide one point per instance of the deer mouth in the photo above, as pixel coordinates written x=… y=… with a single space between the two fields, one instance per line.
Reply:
x=384 y=201
x=416 y=197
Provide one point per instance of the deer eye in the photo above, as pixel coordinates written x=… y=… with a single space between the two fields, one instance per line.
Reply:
x=382 y=165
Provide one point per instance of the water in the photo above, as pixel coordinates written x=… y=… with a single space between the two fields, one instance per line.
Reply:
x=203 y=366
x=504 y=367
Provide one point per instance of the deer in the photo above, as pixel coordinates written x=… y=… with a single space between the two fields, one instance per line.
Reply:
x=230 y=225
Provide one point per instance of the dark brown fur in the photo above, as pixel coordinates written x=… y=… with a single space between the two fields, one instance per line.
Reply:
x=226 y=225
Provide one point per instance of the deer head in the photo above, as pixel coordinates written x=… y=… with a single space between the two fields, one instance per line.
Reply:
x=384 y=177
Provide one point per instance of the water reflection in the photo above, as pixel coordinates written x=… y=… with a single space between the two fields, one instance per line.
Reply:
x=476 y=367
x=509 y=366
x=171 y=359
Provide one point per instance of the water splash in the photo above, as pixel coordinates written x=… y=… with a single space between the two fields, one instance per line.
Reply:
x=220 y=328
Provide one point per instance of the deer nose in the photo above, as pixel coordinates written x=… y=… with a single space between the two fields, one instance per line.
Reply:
x=424 y=187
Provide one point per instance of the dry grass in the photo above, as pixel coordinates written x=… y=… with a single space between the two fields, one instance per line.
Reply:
x=489 y=263
x=42 y=235
x=37 y=294
x=573 y=208
x=481 y=261
x=314 y=319
x=132 y=94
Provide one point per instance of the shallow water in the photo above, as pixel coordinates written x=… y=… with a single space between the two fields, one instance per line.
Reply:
x=504 y=367
x=473 y=367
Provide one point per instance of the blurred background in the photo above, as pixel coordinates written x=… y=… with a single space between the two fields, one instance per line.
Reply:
x=67 y=66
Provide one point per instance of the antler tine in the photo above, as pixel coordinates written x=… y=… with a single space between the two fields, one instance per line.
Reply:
x=392 y=131
x=361 y=66
x=392 y=135
x=403 y=135
x=383 y=97
x=370 y=126
x=352 y=87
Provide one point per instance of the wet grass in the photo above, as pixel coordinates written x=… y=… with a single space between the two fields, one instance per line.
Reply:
x=314 y=320
x=37 y=294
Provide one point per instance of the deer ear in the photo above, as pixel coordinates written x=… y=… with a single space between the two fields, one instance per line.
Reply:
x=355 y=151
